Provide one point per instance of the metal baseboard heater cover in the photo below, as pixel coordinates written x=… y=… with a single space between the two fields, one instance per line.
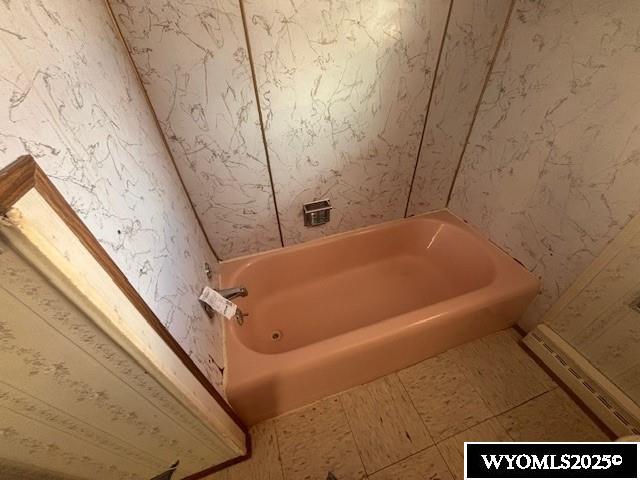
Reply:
x=612 y=406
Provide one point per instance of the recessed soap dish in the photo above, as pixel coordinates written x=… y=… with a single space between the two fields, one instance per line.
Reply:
x=316 y=213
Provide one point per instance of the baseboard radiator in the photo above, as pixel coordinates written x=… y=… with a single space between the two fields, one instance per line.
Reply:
x=610 y=404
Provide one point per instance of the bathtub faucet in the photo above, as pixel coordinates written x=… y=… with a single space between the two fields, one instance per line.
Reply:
x=231 y=293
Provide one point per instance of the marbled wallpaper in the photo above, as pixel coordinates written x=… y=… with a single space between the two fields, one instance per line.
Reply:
x=70 y=97
x=193 y=60
x=550 y=172
x=470 y=45
x=343 y=88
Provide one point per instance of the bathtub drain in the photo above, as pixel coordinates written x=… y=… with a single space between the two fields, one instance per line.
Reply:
x=276 y=335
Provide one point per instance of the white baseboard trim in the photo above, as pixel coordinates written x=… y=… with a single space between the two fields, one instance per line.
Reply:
x=610 y=404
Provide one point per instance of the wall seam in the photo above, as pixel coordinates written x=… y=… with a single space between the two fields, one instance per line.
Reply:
x=158 y=126
x=426 y=116
x=477 y=109
x=259 y=107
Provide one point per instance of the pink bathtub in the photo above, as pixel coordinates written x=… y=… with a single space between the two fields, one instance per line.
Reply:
x=337 y=312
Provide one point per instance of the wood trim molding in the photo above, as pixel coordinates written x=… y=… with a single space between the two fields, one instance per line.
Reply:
x=221 y=466
x=16 y=180
x=24 y=174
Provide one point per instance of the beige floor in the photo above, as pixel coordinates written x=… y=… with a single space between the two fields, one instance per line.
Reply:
x=411 y=425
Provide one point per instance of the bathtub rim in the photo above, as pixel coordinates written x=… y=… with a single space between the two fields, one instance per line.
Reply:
x=446 y=215
x=501 y=288
x=336 y=236
x=317 y=351
x=472 y=297
x=230 y=271
x=420 y=232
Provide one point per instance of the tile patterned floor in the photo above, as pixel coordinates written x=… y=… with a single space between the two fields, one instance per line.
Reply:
x=412 y=424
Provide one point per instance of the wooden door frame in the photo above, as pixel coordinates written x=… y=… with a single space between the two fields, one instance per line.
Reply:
x=25 y=174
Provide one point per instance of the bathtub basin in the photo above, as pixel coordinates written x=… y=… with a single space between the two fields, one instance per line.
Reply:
x=337 y=312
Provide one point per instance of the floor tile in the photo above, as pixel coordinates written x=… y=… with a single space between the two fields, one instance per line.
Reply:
x=381 y=425
x=452 y=449
x=443 y=396
x=385 y=425
x=425 y=465
x=552 y=417
x=502 y=373
x=264 y=463
x=317 y=440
